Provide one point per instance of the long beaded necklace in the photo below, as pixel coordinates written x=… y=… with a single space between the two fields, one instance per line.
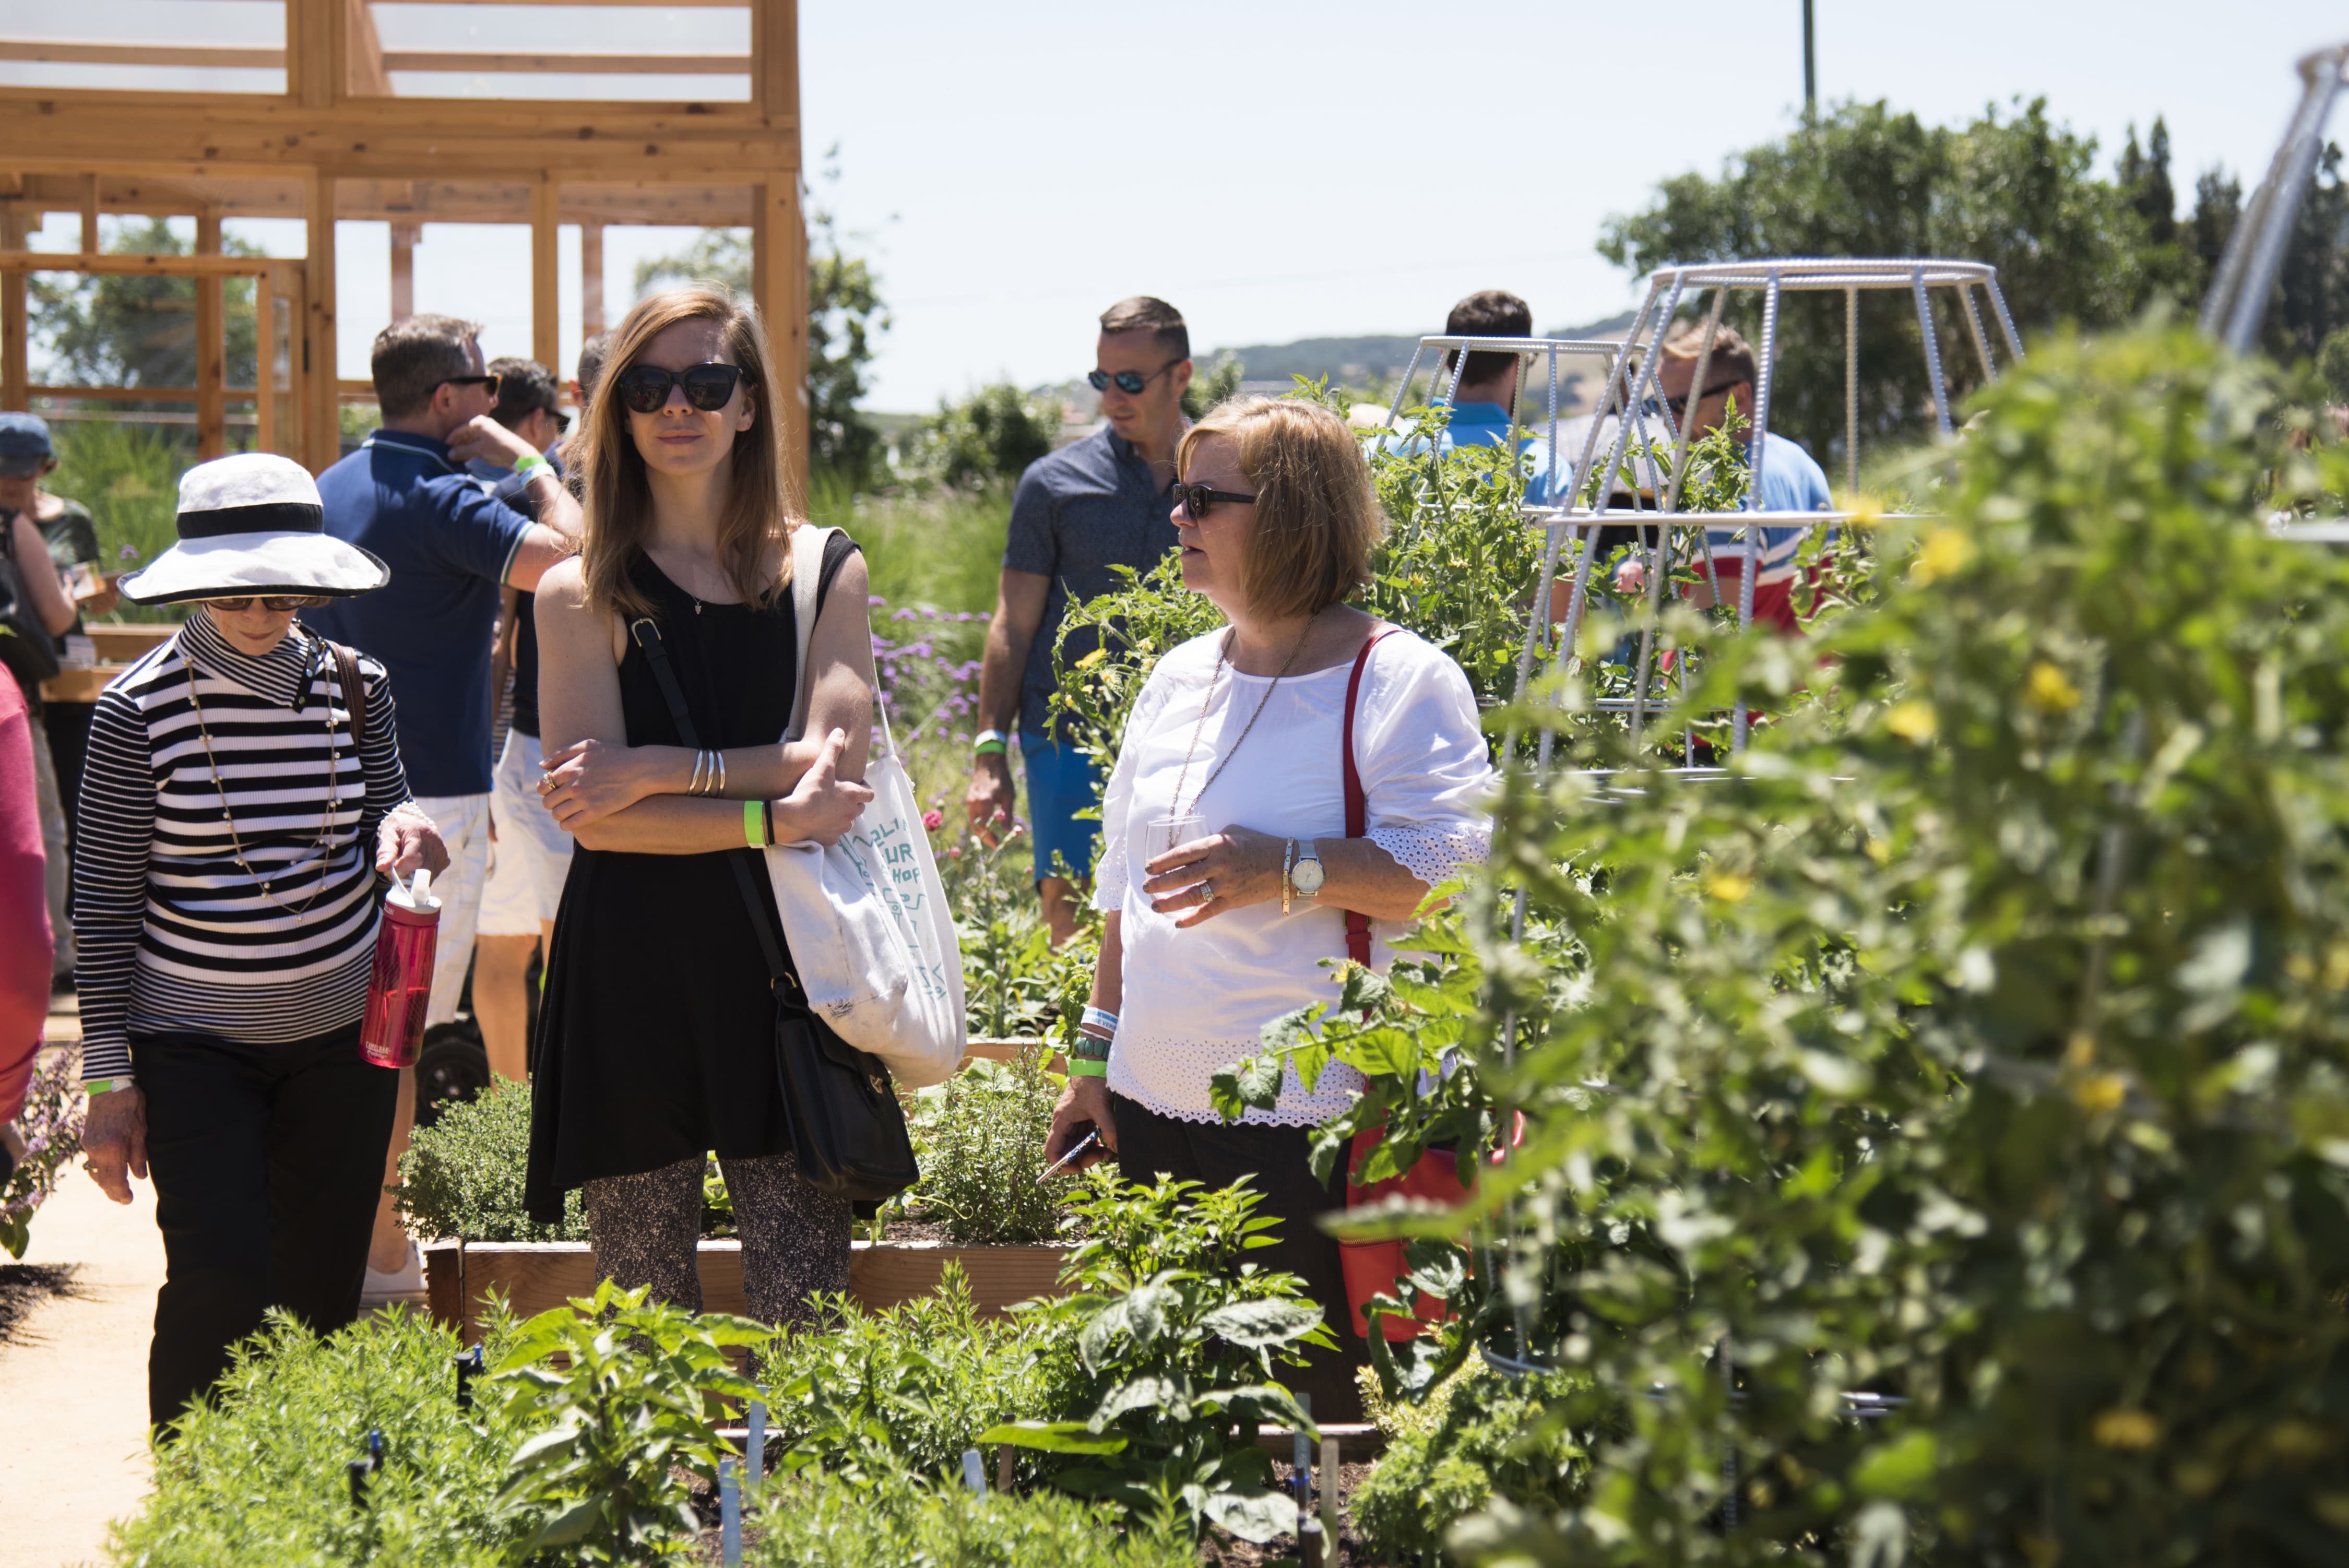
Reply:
x=236 y=844
x=1222 y=651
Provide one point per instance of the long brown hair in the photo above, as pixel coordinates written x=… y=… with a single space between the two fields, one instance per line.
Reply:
x=761 y=509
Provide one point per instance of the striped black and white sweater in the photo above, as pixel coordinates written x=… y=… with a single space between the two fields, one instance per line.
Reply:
x=175 y=935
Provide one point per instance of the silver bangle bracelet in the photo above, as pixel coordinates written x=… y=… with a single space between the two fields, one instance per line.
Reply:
x=720 y=757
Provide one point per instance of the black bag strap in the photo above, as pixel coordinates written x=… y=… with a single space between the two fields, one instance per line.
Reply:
x=647 y=635
x=346 y=676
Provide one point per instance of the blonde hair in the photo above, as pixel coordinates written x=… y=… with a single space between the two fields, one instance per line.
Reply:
x=1317 y=518
x=761 y=509
x=1730 y=351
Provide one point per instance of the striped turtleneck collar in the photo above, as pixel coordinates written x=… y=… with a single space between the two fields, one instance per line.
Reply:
x=281 y=675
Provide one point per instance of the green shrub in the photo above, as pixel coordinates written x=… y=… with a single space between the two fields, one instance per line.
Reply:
x=463 y=1175
x=128 y=476
x=904 y=1390
x=989 y=437
x=1487 y=1437
x=258 y=1479
x=1165 y=1355
x=619 y=1394
x=982 y=1137
x=830 y=1524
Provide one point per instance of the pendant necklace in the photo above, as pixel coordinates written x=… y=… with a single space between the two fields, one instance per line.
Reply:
x=236 y=844
x=1222 y=652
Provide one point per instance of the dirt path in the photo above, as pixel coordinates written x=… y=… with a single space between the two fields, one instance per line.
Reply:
x=73 y=1379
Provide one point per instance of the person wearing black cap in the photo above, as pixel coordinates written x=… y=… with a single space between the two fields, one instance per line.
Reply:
x=36 y=622
x=244 y=792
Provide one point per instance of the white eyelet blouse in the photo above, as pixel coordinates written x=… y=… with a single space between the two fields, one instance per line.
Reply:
x=1197 y=1000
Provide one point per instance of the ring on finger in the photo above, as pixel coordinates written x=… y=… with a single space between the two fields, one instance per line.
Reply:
x=1206 y=892
x=546 y=782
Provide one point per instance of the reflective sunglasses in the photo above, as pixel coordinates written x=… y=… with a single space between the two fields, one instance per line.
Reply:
x=488 y=382
x=1130 y=382
x=1194 y=499
x=645 y=387
x=272 y=602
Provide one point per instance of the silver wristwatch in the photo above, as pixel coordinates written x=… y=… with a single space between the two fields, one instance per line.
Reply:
x=1305 y=876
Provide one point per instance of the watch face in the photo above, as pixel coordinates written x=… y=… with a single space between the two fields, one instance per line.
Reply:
x=1307 y=876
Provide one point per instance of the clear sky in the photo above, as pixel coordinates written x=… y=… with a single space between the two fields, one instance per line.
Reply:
x=1285 y=169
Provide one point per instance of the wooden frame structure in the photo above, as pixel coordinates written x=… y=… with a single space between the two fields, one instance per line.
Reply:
x=342 y=142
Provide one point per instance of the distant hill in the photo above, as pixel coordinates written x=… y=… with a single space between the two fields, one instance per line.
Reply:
x=1363 y=361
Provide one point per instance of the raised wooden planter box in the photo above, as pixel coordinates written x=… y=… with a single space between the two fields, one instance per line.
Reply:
x=537 y=1275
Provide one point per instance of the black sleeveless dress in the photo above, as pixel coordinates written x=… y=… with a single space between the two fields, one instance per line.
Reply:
x=656 y=1035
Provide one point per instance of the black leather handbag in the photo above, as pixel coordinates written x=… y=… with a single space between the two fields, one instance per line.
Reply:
x=848 y=1130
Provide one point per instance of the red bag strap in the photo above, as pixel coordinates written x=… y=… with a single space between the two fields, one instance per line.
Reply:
x=1358 y=805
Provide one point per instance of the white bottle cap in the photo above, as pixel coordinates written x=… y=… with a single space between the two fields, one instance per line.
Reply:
x=417 y=896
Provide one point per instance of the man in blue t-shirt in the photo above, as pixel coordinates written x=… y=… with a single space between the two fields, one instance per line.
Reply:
x=1080 y=512
x=404 y=495
x=1485 y=403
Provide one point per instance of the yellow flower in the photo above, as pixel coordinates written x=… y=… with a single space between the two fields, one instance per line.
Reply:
x=2048 y=691
x=1090 y=660
x=2099 y=1094
x=1728 y=886
x=1945 y=552
x=1913 y=720
x=2126 y=1429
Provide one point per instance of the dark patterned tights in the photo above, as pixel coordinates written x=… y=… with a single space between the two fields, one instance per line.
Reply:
x=795 y=1238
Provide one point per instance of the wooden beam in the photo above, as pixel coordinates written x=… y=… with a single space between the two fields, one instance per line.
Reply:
x=403 y=269
x=313 y=56
x=142 y=394
x=19 y=261
x=322 y=426
x=571 y=65
x=90 y=242
x=212 y=346
x=545 y=277
x=775 y=44
x=366 y=77
x=779 y=286
x=205 y=56
x=591 y=279
x=15 y=361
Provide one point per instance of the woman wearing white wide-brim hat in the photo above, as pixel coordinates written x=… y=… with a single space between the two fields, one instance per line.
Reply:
x=242 y=793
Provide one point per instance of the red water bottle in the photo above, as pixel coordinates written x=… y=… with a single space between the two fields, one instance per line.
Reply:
x=399 y=990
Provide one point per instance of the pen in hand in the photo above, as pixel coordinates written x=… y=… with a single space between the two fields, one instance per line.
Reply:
x=1087 y=1142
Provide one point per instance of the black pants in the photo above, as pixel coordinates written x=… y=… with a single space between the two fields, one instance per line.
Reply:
x=1273 y=1162
x=268 y=1163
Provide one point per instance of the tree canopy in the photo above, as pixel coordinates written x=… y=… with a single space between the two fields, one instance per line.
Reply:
x=128 y=330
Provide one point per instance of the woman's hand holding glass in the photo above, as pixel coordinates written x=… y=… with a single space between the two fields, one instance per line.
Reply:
x=1215 y=875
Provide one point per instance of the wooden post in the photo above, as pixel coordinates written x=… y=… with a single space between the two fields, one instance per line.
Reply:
x=403 y=269
x=779 y=287
x=265 y=364
x=322 y=420
x=15 y=361
x=591 y=279
x=775 y=60
x=90 y=245
x=315 y=52
x=212 y=346
x=545 y=276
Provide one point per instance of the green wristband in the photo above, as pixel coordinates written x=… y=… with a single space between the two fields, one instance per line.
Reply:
x=990 y=749
x=531 y=464
x=107 y=1086
x=1082 y=1066
x=754 y=823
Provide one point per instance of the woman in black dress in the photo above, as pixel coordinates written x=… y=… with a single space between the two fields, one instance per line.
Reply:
x=656 y=1039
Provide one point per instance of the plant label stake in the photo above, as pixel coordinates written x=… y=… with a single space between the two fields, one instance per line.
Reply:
x=358 y=1471
x=1003 y=1461
x=754 y=1457
x=729 y=1512
x=974 y=1471
x=1329 y=1487
x=1300 y=1465
x=469 y=1367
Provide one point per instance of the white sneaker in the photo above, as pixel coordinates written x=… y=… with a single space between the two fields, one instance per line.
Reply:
x=404 y=1283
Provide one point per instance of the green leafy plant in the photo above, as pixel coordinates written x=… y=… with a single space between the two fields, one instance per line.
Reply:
x=1166 y=1354
x=463 y=1175
x=903 y=1390
x=258 y=1475
x=621 y=1391
x=1485 y=1436
x=50 y=1124
x=985 y=439
x=982 y=1135
x=835 y=1523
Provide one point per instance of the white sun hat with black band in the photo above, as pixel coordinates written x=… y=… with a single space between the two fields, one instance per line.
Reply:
x=252 y=524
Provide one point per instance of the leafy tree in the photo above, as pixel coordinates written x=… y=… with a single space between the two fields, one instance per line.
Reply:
x=989 y=437
x=130 y=330
x=845 y=315
x=2146 y=177
x=1864 y=181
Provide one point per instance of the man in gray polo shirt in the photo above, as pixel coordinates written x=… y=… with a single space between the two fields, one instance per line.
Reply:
x=1079 y=513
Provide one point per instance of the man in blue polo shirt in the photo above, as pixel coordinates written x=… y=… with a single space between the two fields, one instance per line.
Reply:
x=405 y=497
x=1079 y=513
x=1485 y=403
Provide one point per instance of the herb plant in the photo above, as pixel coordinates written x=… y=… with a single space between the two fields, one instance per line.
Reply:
x=834 y=1523
x=50 y=1124
x=463 y=1175
x=982 y=1135
x=1166 y=1354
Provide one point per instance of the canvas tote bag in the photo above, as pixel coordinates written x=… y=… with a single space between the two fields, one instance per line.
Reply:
x=866 y=917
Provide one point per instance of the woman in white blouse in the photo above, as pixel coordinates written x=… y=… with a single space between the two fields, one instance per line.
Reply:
x=1226 y=874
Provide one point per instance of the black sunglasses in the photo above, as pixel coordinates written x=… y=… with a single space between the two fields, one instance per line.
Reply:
x=645 y=387
x=273 y=602
x=561 y=420
x=491 y=382
x=1679 y=406
x=1130 y=382
x=1194 y=499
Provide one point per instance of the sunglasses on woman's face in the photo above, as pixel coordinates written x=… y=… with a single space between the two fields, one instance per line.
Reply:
x=1194 y=499
x=274 y=603
x=645 y=387
x=1130 y=382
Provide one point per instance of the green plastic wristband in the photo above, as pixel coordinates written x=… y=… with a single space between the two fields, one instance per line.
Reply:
x=754 y=822
x=990 y=749
x=531 y=464
x=107 y=1086
x=1081 y=1067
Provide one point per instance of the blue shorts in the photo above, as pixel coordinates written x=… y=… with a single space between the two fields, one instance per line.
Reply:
x=1061 y=783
